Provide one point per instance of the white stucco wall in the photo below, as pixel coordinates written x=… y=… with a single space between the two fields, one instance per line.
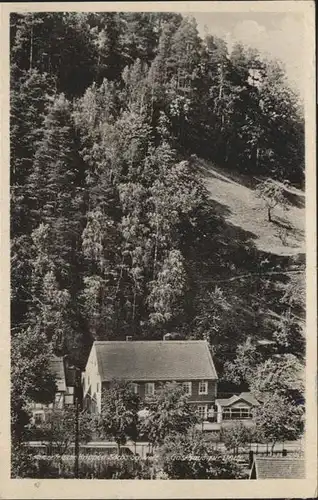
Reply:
x=91 y=378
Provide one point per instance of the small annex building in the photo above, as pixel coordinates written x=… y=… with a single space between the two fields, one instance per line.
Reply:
x=147 y=364
x=236 y=408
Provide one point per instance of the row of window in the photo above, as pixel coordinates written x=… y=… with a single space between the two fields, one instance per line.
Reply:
x=236 y=413
x=227 y=413
x=150 y=388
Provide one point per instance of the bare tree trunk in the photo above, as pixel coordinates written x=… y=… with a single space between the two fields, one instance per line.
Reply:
x=120 y=276
x=221 y=83
x=269 y=215
x=273 y=445
x=257 y=157
x=31 y=48
x=156 y=245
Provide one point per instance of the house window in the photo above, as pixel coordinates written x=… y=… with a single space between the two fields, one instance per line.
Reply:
x=69 y=399
x=150 y=389
x=38 y=418
x=135 y=388
x=202 y=412
x=188 y=387
x=97 y=387
x=246 y=413
x=236 y=413
x=203 y=387
x=226 y=415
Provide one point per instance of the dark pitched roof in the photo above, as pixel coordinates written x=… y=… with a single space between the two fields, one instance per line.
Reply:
x=56 y=366
x=155 y=360
x=246 y=396
x=278 y=468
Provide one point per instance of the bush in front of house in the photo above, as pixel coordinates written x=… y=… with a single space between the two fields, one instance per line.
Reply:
x=217 y=466
x=94 y=467
x=191 y=456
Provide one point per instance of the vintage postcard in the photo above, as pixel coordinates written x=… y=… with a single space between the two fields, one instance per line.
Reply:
x=158 y=245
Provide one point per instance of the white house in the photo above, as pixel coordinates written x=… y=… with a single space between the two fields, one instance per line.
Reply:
x=149 y=363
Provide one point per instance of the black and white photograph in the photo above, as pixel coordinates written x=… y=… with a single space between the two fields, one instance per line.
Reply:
x=158 y=194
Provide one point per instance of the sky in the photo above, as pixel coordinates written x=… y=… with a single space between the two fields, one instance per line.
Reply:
x=274 y=34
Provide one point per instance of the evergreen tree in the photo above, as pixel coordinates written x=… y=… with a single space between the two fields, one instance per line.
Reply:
x=111 y=229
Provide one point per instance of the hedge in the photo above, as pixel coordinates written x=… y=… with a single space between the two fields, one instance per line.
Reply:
x=94 y=467
x=133 y=467
x=217 y=466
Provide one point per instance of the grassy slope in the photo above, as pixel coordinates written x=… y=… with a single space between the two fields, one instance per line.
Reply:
x=246 y=211
x=235 y=198
x=245 y=256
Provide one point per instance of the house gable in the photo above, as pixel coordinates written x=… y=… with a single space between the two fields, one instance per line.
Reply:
x=243 y=400
x=91 y=381
x=241 y=403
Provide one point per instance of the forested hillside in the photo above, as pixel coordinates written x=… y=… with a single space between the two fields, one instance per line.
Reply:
x=116 y=121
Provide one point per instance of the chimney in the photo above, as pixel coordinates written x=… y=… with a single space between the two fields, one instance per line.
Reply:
x=128 y=338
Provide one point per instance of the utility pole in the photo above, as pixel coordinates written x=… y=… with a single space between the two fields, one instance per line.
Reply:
x=76 y=438
x=76 y=441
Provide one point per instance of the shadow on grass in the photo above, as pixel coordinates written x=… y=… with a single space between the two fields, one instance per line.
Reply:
x=292 y=230
x=295 y=199
x=219 y=254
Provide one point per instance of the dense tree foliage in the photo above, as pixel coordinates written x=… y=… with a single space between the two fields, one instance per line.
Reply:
x=191 y=456
x=118 y=418
x=29 y=365
x=236 y=436
x=58 y=431
x=169 y=411
x=112 y=232
x=278 y=418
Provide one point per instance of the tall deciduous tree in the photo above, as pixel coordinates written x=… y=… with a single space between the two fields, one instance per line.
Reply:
x=169 y=411
x=273 y=194
x=59 y=429
x=118 y=418
x=279 y=419
x=283 y=374
x=235 y=436
x=30 y=353
x=190 y=456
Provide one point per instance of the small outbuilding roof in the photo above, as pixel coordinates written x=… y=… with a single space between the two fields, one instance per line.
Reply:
x=155 y=360
x=245 y=396
x=278 y=468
